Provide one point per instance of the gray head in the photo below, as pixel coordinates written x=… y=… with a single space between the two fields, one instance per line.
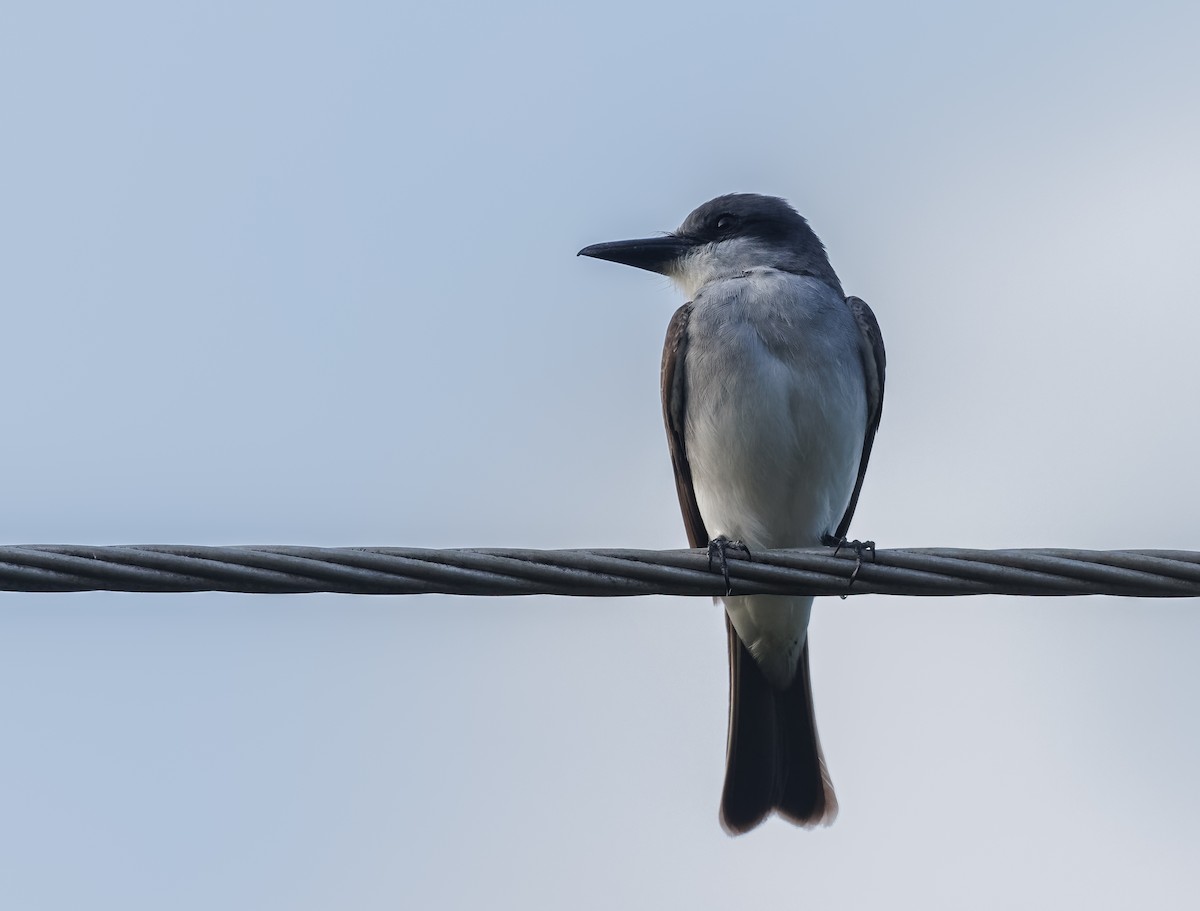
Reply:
x=727 y=235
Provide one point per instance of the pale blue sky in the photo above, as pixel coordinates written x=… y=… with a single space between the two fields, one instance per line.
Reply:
x=305 y=273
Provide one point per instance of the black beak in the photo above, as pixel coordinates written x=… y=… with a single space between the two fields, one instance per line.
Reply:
x=655 y=254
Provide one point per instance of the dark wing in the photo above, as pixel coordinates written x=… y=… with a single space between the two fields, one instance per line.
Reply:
x=874 y=361
x=674 y=398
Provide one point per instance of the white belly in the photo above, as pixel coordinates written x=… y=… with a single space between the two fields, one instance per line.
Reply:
x=776 y=415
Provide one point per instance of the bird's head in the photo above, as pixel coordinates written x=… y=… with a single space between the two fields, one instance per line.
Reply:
x=726 y=235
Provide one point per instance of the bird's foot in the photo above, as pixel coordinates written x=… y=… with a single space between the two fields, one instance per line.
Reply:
x=859 y=548
x=718 y=547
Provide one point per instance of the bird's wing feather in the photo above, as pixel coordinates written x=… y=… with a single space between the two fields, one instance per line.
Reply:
x=674 y=398
x=874 y=362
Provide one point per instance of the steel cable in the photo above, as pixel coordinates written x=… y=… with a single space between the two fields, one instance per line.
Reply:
x=596 y=573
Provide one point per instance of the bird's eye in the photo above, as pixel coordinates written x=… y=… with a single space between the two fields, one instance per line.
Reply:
x=726 y=222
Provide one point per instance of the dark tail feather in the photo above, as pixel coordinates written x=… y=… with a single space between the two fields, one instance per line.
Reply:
x=775 y=760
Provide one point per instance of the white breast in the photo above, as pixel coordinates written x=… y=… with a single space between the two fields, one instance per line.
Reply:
x=776 y=408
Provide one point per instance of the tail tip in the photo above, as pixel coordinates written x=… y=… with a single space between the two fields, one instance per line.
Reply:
x=738 y=819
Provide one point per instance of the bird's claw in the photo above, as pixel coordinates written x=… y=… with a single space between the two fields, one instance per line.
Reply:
x=859 y=548
x=717 y=549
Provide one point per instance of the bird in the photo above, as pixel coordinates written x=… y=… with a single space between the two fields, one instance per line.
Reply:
x=772 y=390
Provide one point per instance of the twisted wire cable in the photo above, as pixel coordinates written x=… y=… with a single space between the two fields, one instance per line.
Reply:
x=597 y=573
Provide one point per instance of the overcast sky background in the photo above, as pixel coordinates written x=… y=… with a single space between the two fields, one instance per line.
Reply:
x=305 y=273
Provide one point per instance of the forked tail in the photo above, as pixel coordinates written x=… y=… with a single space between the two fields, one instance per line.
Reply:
x=774 y=759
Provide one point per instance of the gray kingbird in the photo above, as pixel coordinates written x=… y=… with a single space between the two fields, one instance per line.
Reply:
x=772 y=388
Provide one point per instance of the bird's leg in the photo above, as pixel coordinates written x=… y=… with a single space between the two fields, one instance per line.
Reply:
x=717 y=548
x=859 y=548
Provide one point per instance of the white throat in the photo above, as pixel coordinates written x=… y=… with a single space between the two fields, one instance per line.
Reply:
x=721 y=259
